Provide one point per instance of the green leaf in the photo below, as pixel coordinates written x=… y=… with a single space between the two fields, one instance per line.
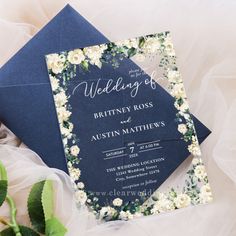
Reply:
x=3 y=172
x=3 y=191
x=84 y=65
x=47 y=199
x=3 y=183
x=141 y=42
x=131 y=52
x=25 y=231
x=55 y=228
x=7 y=232
x=35 y=207
x=40 y=208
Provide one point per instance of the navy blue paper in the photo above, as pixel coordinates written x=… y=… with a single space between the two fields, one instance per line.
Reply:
x=107 y=139
x=26 y=102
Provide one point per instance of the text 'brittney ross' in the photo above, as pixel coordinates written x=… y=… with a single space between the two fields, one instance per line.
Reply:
x=122 y=110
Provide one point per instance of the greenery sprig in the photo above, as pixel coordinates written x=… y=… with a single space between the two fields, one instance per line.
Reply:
x=40 y=210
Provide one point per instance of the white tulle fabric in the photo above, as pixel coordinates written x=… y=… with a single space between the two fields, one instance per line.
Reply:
x=204 y=36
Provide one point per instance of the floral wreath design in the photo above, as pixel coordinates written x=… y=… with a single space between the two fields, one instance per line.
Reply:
x=62 y=68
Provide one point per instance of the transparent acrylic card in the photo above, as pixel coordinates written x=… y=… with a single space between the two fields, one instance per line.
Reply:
x=128 y=135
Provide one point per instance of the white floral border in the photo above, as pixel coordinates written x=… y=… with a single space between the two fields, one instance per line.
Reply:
x=62 y=67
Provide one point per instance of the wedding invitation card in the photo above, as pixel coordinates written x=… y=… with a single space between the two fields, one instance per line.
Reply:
x=128 y=135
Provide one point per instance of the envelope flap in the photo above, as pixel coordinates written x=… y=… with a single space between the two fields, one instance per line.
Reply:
x=29 y=60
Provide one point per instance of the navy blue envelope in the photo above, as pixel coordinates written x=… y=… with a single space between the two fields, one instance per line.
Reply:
x=26 y=101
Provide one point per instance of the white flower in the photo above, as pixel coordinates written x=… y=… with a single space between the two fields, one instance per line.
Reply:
x=169 y=48
x=74 y=172
x=125 y=215
x=182 y=200
x=76 y=56
x=205 y=194
x=186 y=116
x=137 y=214
x=74 y=150
x=117 y=202
x=194 y=138
x=174 y=76
x=65 y=141
x=133 y=43
x=94 y=53
x=178 y=91
x=119 y=43
x=139 y=57
x=89 y=201
x=200 y=172
x=63 y=114
x=80 y=185
x=95 y=199
x=80 y=197
x=66 y=131
x=155 y=209
x=151 y=45
x=129 y=43
x=56 y=63
x=159 y=195
x=163 y=204
x=196 y=161
x=182 y=128
x=143 y=208
x=194 y=149
x=183 y=107
x=54 y=83
x=60 y=99
x=69 y=164
x=107 y=213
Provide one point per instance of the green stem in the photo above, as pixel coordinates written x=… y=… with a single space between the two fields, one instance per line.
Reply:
x=13 y=224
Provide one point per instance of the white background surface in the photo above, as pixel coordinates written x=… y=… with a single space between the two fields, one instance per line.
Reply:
x=204 y=35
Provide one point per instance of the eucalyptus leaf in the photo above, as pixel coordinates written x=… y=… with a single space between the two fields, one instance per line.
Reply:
x=35 y=207
x=25 y=231
x=55 y=228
